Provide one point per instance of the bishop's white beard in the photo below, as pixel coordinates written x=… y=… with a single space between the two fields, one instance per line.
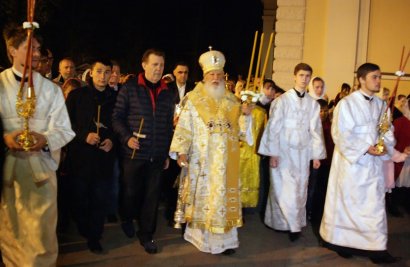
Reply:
x=215 y=91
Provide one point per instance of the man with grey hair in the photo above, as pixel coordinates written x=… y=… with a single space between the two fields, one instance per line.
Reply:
x=207 y=136
x=66 y=68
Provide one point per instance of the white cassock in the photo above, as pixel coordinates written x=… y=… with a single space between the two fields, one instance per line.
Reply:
x=294 y=134
x=28 y=213
x=354 y=214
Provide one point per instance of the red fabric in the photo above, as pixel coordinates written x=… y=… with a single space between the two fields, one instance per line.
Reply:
x=326 y=125
x=402 y=135
x=162 y=86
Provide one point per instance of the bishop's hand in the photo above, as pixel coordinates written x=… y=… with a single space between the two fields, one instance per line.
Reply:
x=182 y=160
x=273 y=162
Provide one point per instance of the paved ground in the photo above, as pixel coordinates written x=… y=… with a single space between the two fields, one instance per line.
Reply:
x=259 y=246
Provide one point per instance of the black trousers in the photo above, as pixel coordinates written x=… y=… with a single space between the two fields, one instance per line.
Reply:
x=264 y=185
x=169 y=191
x=89 y=204
x=140 y=193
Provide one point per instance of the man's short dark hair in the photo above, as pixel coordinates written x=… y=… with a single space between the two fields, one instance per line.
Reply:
x=323 y=103
x=104 y=61
x=114 y=63
x=400 y=97
x=302 y=66
x=279 y=90
x=269 y=81
x=364 y=69
x=181 y=63
x=15 y=35
x=345 y=87
x=153 y=51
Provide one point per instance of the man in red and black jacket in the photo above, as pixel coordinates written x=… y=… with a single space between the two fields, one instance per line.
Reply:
x=144 y=145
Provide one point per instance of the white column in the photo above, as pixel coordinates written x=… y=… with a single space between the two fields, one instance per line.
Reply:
x=269 y=17
x=288 y=51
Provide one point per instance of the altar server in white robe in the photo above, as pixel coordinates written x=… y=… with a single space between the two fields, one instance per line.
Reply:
x=206 y=140
x=292 y=138
x=354 y=219
x=28 y=212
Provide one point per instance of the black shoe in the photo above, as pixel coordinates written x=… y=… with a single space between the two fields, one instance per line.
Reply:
x=229 y=251
x=386 y=258
x=293 y=236
x=128 y=228
x=344 y=255
x=112 y=218
x=94 y=246
x=150 y=247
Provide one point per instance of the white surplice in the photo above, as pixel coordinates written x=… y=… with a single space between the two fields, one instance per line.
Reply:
x=28 y=213
x=354 y=214
x=294 y=134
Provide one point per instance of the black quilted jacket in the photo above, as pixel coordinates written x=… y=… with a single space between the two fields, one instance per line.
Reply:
x=136 y=100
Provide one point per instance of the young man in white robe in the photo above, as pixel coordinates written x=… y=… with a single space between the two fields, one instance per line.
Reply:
x=28 y=213
x=291 y=139
x=354 y=220
x=206 y=140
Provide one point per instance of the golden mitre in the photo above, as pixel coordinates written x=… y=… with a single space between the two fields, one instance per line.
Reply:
x=212 y=60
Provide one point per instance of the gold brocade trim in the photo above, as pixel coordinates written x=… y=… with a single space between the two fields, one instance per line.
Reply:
x=218 y=116
x=226 y=110
x=215 y=229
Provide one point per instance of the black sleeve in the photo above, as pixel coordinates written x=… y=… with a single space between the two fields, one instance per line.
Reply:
x=80 y=134
x=119 y=116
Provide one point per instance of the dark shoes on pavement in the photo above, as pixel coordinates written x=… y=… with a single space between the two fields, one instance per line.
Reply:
x=229 y=251
x=150 y=246
x=94 y=246
x=386 y=258
x=128 y=228
x=293 y=236
x=344 y=255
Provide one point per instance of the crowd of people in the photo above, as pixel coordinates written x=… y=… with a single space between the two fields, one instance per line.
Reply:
x=117 y=146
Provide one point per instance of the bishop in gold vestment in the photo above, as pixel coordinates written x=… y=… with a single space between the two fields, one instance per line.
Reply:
x=206 y=140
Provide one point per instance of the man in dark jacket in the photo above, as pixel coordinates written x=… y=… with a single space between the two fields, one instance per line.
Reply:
x=142 y=119
x=91 y=153
x=180 y=87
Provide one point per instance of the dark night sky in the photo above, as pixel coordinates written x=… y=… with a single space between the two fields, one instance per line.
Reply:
x=123 y=30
